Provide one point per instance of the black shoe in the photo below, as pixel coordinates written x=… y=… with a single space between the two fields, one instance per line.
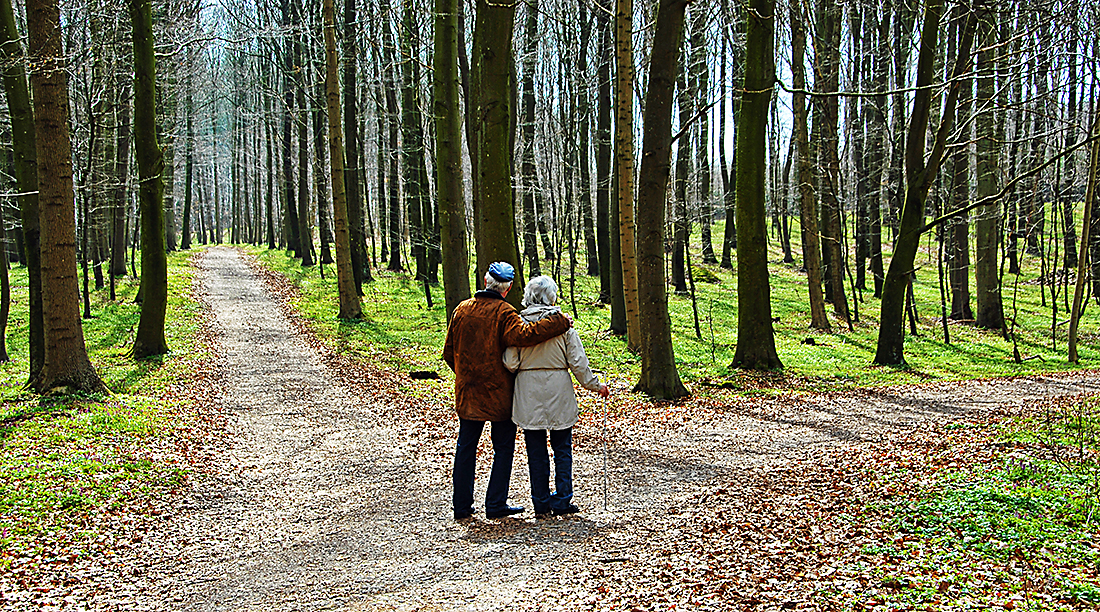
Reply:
x=507 y=511
x=570 y=509
x=464 y=514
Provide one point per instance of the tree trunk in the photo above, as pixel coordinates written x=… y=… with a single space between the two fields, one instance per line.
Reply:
x=987 y=227
x=26 y=176
x=412 y=140
x=350 y=307
x=305 y=229
x=681 y=225
x=603 y=151
x=320 y=182
x=354 y=170
x=959 y=196
x=624 y=164
x=66 y=365
x=448 y=167
x=292 y=227
x=529 y=185
x=149 y=340
x=811 y=245
x=393 y=129
x=659 y=377
x=827 y=59
x=920 y=173
x=700 y=70
x=189 y=159
x=584 y=148
x=492 y=96
x=755 y=336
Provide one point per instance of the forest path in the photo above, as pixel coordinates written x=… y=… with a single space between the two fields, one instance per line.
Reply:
x=329 y=498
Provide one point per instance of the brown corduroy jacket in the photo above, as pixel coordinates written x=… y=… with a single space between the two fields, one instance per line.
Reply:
x=481 y=328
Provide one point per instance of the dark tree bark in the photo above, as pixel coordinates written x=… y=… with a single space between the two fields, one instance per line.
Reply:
x=350 y=307
x=189 y=158
x=320 y=171
x=353 y=173
x=729 y=174
x=448 y=131
x=920 y=173
x=584 y=105
x=987 y=226
x=412 y=140
x=26 y=176
x=491 y=93
x=305 y=228
x=700 y=74
x=659 y=377
x=811 y=245
x=290 y=218
x=603 y=152
x=529 y=185
x=959 y=196
x=624 y=165
x=393 y=124
x=681 y=225
x=827 y=61
x=149 y=340
x=755 y=336
x=66 y=366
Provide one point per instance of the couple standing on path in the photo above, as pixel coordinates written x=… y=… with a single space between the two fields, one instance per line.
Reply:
x=488 y=341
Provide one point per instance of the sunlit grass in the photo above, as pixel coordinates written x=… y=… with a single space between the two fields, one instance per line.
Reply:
x=63 y=460
x=400 y=332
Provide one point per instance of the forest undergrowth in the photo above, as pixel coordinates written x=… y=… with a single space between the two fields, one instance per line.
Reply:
x=83 y=478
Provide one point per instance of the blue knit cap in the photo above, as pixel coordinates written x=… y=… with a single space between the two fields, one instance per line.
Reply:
x=502 y=271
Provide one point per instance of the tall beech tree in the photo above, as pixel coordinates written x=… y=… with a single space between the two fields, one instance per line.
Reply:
x=149 y=340
x=987 y=225
x=920 y=173
x=491 y=91
x=65 y=364
x=624 y=164
x=25 y=169
x=659 y=376
x=448 y=166
x=811 y=243
x=353 y=171
x=755 y=336
x=603 y=149
x=350 y=306
x=529 y=185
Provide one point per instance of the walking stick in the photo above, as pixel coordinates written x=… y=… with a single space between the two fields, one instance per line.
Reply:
x=603 y=435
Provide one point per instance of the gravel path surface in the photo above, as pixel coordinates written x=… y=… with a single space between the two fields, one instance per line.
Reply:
x=333 y=498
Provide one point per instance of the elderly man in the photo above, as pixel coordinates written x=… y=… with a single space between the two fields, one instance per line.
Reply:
x=481 y=328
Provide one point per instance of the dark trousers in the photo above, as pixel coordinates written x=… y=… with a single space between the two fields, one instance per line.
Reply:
x=538 y=462
x=503 y=435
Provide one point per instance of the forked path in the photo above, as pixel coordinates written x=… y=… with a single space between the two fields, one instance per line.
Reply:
x=326 y=499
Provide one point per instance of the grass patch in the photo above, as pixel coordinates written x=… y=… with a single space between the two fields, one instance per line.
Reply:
x=986 y=517
x=401 y=333
x=68 y=463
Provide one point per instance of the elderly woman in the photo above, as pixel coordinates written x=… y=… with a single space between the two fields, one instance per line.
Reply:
x=544 y=400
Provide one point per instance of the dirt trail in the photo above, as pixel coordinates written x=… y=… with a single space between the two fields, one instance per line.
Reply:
x=326 y=500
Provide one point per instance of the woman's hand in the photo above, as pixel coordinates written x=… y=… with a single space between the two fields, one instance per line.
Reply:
x=604 y=391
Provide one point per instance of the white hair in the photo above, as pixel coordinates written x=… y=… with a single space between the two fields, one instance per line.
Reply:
x=540 y=290
x=493 y=284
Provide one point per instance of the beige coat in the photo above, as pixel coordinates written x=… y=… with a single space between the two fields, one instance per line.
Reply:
x=481 y=328
x=544 y=397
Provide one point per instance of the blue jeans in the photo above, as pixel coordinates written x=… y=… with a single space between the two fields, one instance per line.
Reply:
x=503 y=434
x=539 y=463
